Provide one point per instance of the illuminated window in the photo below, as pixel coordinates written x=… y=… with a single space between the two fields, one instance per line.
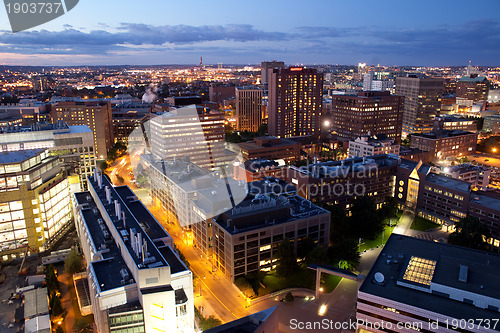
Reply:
x=420 y=270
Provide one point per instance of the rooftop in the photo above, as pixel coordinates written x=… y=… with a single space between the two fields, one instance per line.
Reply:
x=129 y=225
x=488 y=200
x=103 y=241
x=248 y=324
x=444 y=181
x=256 y=164
x=266 y=141
x=332 y=169
x=269 y=201
x=466 y=78
x=36 y=302
x=19 y=156
x=436 y=277
x=442 y=134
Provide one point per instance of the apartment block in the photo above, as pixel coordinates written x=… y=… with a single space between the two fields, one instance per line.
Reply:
x=368 y=113
x=295 y=101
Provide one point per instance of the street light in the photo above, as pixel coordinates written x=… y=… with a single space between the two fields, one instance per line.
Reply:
x=494 y=150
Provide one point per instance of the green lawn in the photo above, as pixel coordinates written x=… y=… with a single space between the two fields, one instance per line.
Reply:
x=371 y=243
x=422 y=224
x=303 y=278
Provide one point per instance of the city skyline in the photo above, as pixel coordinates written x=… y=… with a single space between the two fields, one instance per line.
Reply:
x=340 y=33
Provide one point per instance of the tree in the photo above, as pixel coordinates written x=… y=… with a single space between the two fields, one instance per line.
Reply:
x=59 y=329
x=245 y=287
x=390 y=207
x=345 y=250
x=365 y=221
x=317 y=255
x=470 y=232
x=287 y=261
x=56 y=308
x=73 y=263
x=305 y=247
x=83 y=325
x=51 y=279
x=289 y=297
x=339 y=223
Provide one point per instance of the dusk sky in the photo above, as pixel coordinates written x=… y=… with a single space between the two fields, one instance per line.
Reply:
x=392 y=32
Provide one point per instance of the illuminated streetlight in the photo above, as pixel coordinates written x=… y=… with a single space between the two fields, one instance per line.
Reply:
x=322 y=310
x=321 y=289
x=494 y=150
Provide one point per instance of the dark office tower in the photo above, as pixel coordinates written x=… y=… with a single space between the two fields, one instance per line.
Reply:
x=248 y=108
x=295 y=102
x=422 y=102
x=473 y=88
x=368 y=113
x=266 y=70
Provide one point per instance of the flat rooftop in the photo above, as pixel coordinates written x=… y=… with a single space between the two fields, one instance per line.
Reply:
x=443 y=134
x=448 y=182
x=268 y=202
x=148 y=222
x=19 y=156
x=488 y=200
x=332 y=169
x=423 y=273
x=107 y=271
x=178 y=171
x=132 y=222
x=273 y=142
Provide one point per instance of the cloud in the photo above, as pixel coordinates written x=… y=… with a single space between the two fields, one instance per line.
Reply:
x=452 y=43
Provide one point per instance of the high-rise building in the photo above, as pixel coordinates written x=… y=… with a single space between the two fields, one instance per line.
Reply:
x=266 y=70
x=136 y=280
x=192 y=133
x=35 y=207
x=422 y=102
x=368 y=113
x=74 y=144
x=295 y=102
x=248 y=108
x=473 y=88
x=95 y=114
